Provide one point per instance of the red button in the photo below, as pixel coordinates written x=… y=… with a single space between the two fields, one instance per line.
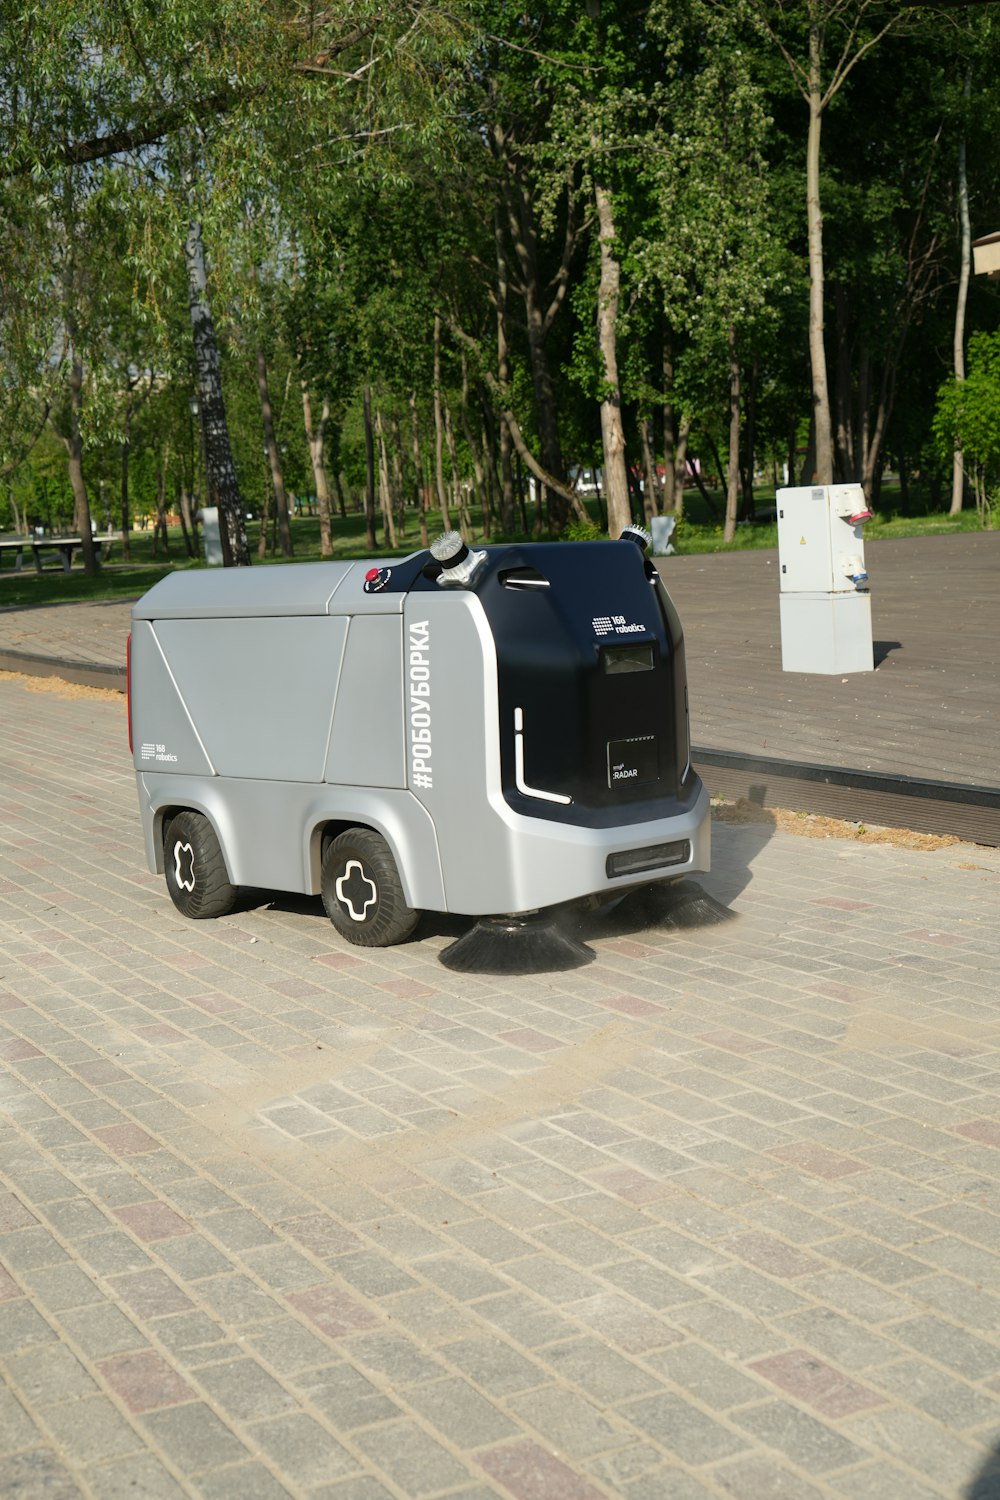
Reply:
x=372 y=573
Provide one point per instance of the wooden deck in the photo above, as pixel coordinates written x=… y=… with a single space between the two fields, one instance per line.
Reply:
x=930 y=709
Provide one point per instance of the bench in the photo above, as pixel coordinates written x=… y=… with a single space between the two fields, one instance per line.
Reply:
x=43 y=548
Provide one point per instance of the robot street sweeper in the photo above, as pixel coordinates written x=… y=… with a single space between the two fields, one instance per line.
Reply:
x=499 y=734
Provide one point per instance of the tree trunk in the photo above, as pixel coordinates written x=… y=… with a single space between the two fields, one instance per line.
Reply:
x=699 y=478
x=479 y=473
x=489 y=491
x=183 y=505
x=670 y=484
x=189 y=526
x=265 y=520
x=507 y=518
x=273 y=456
x=126 y=518
x=524 y=236
x=650 y=488
x=316 y=437
x=958 y=463
x=681 y=466
x=418 y=470
x=862 y=422
x=439 y=429
x=384 y=488
x=612 y=432
x=73 y=443
x=519 y=490
x=160 y=525
x=871 y=477
x=845 y=460
x=20 y=522
x=457 y=491
x=370 y=540
x=220 y=471
x=749 y=442
x=733 y=467
x=395 y=456
x=814 y=218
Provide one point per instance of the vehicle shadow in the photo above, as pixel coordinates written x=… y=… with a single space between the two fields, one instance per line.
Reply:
x=986 y=1484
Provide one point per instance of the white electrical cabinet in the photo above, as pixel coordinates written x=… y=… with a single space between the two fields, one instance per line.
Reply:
x=825 y=604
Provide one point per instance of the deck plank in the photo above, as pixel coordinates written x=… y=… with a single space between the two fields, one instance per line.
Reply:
x=930 y=709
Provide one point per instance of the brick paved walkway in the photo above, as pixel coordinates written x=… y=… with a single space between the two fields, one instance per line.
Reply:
x=716 y=1216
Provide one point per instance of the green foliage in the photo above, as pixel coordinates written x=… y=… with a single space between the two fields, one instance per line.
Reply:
x=583 y=531
x=347 y=167
x=968 y=418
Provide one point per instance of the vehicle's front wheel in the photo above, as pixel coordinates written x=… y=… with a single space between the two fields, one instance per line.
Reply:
x=195 y=868
x=362 y=891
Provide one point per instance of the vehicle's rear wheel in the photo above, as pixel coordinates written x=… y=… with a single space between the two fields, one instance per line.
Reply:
x=195 y=868
x=362 y=891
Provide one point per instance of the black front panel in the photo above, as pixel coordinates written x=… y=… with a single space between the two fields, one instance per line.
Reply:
x=591 y=682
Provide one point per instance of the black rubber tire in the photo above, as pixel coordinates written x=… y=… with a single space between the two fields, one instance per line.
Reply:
x=362 y=892
x=196 y=873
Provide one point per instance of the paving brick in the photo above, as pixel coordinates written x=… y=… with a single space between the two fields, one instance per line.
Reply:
x=952 y=1402
x=403 y=1361
x=61 y=1287
x=244 y=1391
x=151 y=1294
x=38 y=1475
x=10 y=1289
x=151 y=1221
x=304 y=1451
x=846 y=1342
x=145 y=1381
x=881 y=1479
x=525 y=1319
x=22 y=1327
x=528 y=1471
x=494 y=1366
x=716 y=1383
x=242 y=1482
x=332 y=1311
x=809 y=1443
x=954 y=1347
x=818 y=1384
x=460 y=1413
x=193 y=1438
x=27 y=1249
x=102 y=1330
x=50 y=1373
x=682 y=1429
x=17 y=1430
x=90 y=1429
x=347 y=1397
x=370 y=1489
x=767 y=1479
x=128 y=1478
x=915 y=1440
x=14 y=1214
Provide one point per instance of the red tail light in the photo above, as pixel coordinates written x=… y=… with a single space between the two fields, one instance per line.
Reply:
x=128 y=685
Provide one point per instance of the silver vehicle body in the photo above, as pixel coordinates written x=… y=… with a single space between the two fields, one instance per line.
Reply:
x=288 y=703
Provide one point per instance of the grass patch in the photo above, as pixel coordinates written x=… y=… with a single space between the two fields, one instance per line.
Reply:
x=115 y=581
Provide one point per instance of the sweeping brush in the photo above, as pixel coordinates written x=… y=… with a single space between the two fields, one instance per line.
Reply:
x=533 y=944
x=675 y=905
